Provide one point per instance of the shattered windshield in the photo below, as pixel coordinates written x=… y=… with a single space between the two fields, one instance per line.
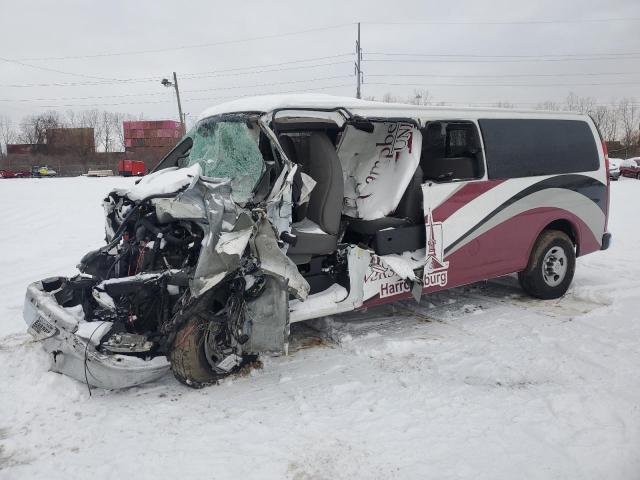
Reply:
x=227 y=147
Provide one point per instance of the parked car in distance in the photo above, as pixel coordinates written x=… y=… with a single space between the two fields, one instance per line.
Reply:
x=44 y=171
x=12 y=174
x=614 y=168
x=631 y=168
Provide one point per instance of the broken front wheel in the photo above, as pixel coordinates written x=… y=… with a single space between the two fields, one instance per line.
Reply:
x=210 y=346
x=200 y=355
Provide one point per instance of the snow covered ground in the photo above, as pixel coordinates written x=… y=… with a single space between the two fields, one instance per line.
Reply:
x=478 y=382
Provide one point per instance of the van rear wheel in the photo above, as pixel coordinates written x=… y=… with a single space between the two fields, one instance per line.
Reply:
x=551 y=266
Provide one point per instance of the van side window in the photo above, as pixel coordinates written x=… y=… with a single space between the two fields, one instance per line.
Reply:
x=529 y=147
x=451 y=151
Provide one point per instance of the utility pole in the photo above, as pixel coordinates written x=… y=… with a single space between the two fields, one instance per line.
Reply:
x=174 y=84
x=358 y=69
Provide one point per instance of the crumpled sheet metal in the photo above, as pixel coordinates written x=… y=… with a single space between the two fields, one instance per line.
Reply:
x=228 y=231
x=189 y=205
x=71 y=355
x=274 y=262
x=214 y=264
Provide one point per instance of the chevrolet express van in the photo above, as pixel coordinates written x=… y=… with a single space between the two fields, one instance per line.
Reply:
x=280 y=209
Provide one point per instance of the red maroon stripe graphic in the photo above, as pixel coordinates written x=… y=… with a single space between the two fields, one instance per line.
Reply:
x=590 y=188
x=460 y=198
x=502 y=250
x=506 y=248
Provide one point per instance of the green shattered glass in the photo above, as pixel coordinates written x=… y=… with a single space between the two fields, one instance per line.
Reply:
x=229 y=149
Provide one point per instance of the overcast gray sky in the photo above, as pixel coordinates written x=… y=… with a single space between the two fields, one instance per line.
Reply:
x=463 y=51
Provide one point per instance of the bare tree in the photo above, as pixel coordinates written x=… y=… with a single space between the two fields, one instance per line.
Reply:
x=420 y=96
x=600 y=116
x=117 y=126
x=107 y=130
x=107 y=127
x=389 y=98
x=7 y=134
x=578 y=104
x=610 y=124
x=71 y=119
x=33 y=129
x=503 y=104
x=549 y=106
x=629 y=117
x=92 y=119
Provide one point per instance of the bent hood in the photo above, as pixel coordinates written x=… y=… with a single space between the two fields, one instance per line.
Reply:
x=229 y=228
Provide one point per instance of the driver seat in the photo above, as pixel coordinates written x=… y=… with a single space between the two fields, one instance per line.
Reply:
x=317 y=233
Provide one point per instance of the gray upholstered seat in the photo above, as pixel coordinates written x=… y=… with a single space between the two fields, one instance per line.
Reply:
x=325 y=203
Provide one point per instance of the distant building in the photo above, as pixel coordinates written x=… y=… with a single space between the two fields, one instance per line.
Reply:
x=72 y=151
x=70 y=140
x=20 y=148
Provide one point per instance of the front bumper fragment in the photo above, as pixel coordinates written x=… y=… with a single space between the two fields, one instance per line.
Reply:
x=71 y=343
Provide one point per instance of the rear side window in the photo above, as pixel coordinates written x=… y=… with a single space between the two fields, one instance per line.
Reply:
x=451 y=151
x=529 y=147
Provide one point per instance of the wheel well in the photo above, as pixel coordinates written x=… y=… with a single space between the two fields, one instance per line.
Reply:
x=568 y=228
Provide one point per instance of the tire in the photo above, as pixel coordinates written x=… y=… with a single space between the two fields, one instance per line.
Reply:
x=551 y=266
x=188 y=361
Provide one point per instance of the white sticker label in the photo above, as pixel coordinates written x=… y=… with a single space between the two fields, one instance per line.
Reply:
x=42 y=329
x=229 y=362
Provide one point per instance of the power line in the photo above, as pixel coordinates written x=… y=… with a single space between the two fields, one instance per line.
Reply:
x=47 y=69
x=194 y=76
x=473 y=55
x=512 y=60
x=253 y=72
x=288 y=82
x=503 y=84
x=91 y=97
x=435 y=104
x=26 y=100
x=324 y=28
x=344 y=85
x=510 y=75
x=200 y=45
x=513 y=22
x=290 y=62
x=327 y=87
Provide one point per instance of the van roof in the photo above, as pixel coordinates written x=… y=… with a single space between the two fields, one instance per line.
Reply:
x=268 y=103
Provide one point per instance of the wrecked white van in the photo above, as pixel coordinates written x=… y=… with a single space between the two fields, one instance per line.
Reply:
x=279 y=209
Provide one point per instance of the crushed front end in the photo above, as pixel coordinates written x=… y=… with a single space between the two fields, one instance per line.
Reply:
x=192 y=277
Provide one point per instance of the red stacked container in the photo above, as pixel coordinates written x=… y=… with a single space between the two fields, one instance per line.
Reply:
x=150 y=140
